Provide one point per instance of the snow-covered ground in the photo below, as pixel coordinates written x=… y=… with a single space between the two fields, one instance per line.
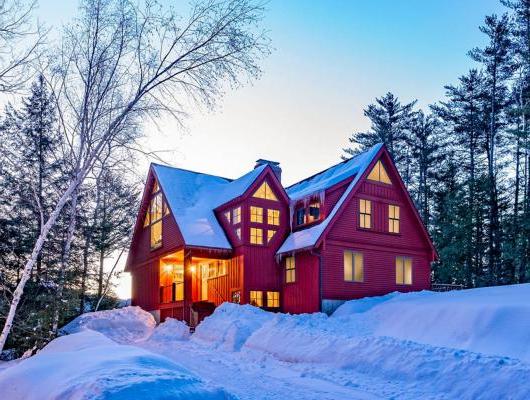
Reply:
x=472 y=344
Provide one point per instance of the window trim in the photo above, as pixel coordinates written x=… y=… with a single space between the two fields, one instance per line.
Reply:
x=353 y=254
x=259 y=299
x=275 y=301
x=260 y=230
x=273 y=216
x=290 y=269
x=364 y=215
x=256 y=214
x=393 y=220
x=403 y=265
x=236 y=214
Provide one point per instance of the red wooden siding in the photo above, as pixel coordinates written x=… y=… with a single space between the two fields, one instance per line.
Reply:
x=145 y=285
x=220 y=288
x=302 y=295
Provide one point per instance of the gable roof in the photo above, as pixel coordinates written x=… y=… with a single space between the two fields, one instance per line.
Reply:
x=355 y=166
x=192 y=198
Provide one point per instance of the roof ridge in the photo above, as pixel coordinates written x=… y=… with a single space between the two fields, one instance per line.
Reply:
x=193 y=172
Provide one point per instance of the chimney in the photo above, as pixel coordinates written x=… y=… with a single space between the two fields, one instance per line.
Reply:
x=273 y=164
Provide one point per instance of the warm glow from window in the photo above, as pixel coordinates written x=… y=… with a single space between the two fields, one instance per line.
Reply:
x=256 y=235
x=273 y=299
x=156 y=188
x=256 y=214
x=227 y=215
x=238 y=233
x=379 y=174
x=270 y=235
x=236 y=215
x=256 y=298
x=155 y=220
x=353 y=266
x=393 y=218
x=273 y=217
x=314 y=211
x=171 y=282
x=290 y=271
x=404 y=271
x=365 y=213
x=265 y=192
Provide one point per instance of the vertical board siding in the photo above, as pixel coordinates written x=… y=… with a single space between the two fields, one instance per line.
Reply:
x=145 y=286
x=302 y=296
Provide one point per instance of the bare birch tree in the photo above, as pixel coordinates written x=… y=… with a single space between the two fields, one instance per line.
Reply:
x=121 y=63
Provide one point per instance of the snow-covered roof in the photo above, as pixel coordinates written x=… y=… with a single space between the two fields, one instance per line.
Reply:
x=192 y=198
x=353 y=167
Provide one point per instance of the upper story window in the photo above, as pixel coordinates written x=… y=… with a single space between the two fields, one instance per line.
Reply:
x=393 y=218
x=236 y=215
x=153 y=216
x=404 y=270
x=365 y=213
x=290 y=271
x=227 y=215
x=273 y=217
x=256 y=214
x=314 y=211
x=353 y=266
x=270 y=235
x=379 y=174
x=256 y=235
x=300 y=216
x=265 y=192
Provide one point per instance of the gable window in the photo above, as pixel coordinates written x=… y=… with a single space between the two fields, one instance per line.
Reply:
x=273 y=299
x=314 y=211
x=171 y=282
x=256 y=214
x=403 y=270
x=265 y=192
x=256 y=235
x=236 y=215
x=365 y=213
x=290 y=271
x=379 y=174
x=300 y=216
x=273 y=217
x=393 y=218
x=154 y=216
x=353 y=266
x=270 y=235
x=238 y=233
x=227 y=215
x=256 y=298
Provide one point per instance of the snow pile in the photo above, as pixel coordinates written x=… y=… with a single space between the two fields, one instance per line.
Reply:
x=87 y=365
x=493 y=321
x=230 y=326
x=123 y=325
x=169 y=331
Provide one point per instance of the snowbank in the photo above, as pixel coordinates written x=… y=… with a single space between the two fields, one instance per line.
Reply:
x=123 y=325
x=87 y=365
x=230 y=325
x=169 y=331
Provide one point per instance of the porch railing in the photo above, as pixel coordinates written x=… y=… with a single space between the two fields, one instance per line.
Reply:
x=172 y=293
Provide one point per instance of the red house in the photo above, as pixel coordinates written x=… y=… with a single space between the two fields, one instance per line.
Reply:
x=344 y=233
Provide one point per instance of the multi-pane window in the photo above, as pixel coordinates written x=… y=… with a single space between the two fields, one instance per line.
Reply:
x=314 y=211
x=256 y=214
x=270 y=235
x=353 y=266
x=379 y=174
x=256 y=298
x=365 y=213
x=393 y=218
x=265 y=192
x=290 y=271
x=300 y=216
x=256 y=235
x=236 y=215
x=404 y=271
x=154 y=216
x=273 y=217
x=273 y=299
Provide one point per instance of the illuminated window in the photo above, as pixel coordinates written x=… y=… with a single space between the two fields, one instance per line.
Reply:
x=256 y=298
x=146 y=219
x=265 y=192
x=270 y=235
x=379 y=174
x=273 y=217
x=238 y=233
x=273 y=299
x=171 y=282
x=155 y=220
x=256 y=235
x=393 y=218
x=365 y=213
x=227 y=215
x=353 y=266
x=290 y=271
x=236 y=296
x=256 y=214
x=300 y=216
x=314 y=211
x=236 y=215
x=212 y=270
x=404 y=271
x=156 y=188
x=221 y=268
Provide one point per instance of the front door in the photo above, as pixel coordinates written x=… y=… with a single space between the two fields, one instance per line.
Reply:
x=204 y=281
